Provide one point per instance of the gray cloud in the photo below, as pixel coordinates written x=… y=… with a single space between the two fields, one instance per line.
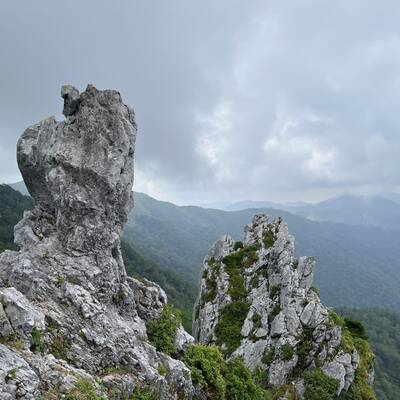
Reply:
x=262 y=100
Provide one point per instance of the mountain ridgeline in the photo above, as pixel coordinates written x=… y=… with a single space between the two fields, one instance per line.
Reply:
x=373 y=210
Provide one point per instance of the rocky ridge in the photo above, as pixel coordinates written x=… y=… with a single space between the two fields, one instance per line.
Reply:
x=257 y=302
x=69 y=314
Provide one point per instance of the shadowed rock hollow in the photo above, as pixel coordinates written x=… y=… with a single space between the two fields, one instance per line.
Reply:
x=68 y=311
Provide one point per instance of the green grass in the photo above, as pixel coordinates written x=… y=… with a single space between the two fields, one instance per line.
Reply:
x=234 y=263
x=162 y=330
x=222 y=380
x=206 y=366
x=144 y=394
x=274 y=312
x=319 y=386
x=269 y=238
x=256 y=320
x=238 y=245
x=274 y=291
x=287 y=352
x=37 y=345
x=83 y=390
x=268 y=357
x=59 y=347
x=228 y=329
x=241 y=384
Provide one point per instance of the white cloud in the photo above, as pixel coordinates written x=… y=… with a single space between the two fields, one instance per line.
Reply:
x=212 y=142
x=288 y=100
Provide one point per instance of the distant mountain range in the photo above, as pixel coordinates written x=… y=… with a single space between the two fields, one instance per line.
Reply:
x=382 y=210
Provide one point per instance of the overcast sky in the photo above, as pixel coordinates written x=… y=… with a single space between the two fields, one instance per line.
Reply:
x=261 y=100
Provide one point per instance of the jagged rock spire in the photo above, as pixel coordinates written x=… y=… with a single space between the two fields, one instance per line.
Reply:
x=257 y=302
x=80 y=171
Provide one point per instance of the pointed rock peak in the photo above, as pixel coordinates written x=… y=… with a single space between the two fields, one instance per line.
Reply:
x=221 y=248
x=257 y=302
x=80 y=171
x=71 y=99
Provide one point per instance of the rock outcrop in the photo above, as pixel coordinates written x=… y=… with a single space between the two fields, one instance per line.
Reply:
x=257 y=302
x=68 y=311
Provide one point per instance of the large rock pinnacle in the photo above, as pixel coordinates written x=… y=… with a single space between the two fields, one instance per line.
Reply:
x=80 y=171
x=68 y=311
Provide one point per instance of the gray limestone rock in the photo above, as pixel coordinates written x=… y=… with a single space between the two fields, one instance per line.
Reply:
x=68 y=280
x=286 y=329
x=21 y=314
x=17 y=378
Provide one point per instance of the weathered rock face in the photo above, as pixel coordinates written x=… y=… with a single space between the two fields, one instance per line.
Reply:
x=68 y=311
x=256 y=301
x=80 y=171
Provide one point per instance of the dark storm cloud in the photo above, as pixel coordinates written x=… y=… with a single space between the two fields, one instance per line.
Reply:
x=275 y=100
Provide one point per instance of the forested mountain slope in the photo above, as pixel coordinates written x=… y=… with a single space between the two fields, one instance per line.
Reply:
x=356 y=265
x=383 y=330
x=12 y=206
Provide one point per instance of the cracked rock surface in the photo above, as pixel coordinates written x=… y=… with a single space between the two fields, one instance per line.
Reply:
x=68 y=310
x=282 y=327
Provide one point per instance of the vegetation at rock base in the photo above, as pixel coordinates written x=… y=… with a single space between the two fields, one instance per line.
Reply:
x=206 y=366
x=274 y=291
x=238 y=245
x=83 y=390
x=162 y=330
x=269 y=237
x=228 y=329
x=319 y=386
x=268 y=357
x=144 y=394
x=287 y=352
x=304 y=347
x=222 y=380
x=37 y=345
x=240 y=383
x=354 y=338
x=382 y=328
